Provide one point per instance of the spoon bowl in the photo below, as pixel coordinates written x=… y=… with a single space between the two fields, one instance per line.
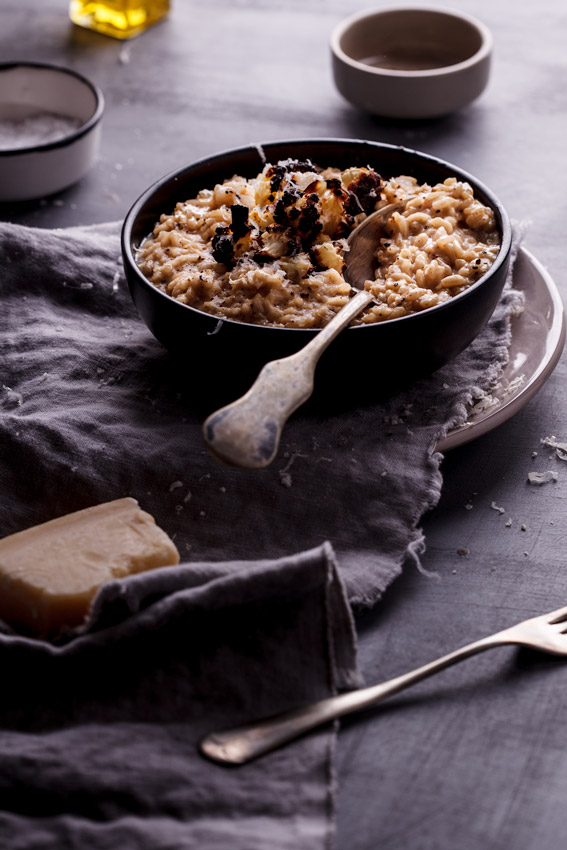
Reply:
x=360 y=259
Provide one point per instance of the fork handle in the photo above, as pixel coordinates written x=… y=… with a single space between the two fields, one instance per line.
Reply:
x=240 y=745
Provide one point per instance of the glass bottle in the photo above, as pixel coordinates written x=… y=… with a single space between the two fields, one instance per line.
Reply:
x=118 y=18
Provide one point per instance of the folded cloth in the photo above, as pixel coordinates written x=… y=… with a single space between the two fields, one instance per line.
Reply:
x=98 y=737
x=92 y=408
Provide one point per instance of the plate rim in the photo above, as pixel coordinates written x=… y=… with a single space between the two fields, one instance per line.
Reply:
x=469 y=431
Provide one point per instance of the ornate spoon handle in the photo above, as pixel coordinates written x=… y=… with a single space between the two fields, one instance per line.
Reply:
x=247 y=431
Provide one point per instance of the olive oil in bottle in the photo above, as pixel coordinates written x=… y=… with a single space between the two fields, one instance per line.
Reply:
x=118 y=18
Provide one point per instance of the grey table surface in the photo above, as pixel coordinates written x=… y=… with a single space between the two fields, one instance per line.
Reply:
x=474 y=758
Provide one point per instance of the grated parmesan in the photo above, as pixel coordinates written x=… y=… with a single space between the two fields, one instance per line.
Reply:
x=22 y=128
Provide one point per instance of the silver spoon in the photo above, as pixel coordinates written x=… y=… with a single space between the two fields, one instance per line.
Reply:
x=247 y=431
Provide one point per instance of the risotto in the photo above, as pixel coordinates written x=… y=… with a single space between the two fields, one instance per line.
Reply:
x=270 y=250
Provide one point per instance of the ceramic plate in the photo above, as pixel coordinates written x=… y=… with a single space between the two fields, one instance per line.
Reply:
x=538 y=337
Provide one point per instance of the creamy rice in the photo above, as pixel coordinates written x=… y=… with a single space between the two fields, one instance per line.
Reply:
x=270 y=250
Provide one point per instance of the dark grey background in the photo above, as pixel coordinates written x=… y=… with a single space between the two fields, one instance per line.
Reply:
x=476 y=757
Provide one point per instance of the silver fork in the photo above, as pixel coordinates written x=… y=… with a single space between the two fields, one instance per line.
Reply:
x=547 y=633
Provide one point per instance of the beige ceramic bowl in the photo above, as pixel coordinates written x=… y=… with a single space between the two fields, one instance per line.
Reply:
x=411 y=62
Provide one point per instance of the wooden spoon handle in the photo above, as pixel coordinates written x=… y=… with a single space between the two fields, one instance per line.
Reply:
x=247 y=432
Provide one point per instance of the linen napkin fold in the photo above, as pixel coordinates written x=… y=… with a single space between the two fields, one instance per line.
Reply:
x=92 y=408
x=98 y=737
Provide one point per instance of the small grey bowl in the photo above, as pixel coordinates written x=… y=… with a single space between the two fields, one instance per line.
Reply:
x=46 y=165
x=411 y=62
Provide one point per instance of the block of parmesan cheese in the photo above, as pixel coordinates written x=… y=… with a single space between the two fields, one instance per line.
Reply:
x=50 y=573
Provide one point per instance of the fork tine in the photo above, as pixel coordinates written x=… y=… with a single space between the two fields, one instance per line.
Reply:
x=556 y=616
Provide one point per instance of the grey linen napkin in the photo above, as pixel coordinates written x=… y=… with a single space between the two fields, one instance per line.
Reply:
x=98 y=737
x=91 y=409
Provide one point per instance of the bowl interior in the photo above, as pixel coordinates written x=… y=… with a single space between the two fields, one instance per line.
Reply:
x=25 y=89
x=410 y=40
x=387 y=160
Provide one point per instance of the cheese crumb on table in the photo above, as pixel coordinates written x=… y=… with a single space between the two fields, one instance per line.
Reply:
x=49 y=574
x=539 y=478
x=553 y=443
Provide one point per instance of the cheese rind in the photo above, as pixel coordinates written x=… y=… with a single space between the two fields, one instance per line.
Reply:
x=49 y=574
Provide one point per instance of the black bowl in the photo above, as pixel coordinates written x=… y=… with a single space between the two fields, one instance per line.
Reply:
x=223 y=357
